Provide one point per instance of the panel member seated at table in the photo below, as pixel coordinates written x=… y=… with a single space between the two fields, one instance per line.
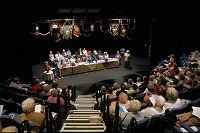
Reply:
x=62 y=64
x=85 y=51
x=79 y=59
x=95 y=55
x=105 y=56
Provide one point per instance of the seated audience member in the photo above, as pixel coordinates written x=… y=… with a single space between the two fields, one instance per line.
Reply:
x=28 y=107
x=46 y=90
x=133 y=91
x=129 y=84
x=16 y=84
x=156 y=108
x=111 y=93
x=104 y=91
x=49 y=68
x=55 y=85
x=152 y=79
x=172 y=99
x=138 y=81
x=32 y=82
x=123 y=102
x=115 y=87
x=37 y=87
x=158 y=91
x=53 y=97
x=133 y=111
x=122 y=89
x=144 y=84
x=64 y=90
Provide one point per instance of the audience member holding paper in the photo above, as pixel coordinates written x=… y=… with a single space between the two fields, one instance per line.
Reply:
x=151 y=95
x=157 y=108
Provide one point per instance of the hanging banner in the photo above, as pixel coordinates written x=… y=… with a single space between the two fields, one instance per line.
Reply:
x=56 y=35
x=123 y=29
x=130 y=34
x=114 y=29
x=76 y=30
x=67 y=31
x=104 y=26
x=86 y=26
x=131 y=23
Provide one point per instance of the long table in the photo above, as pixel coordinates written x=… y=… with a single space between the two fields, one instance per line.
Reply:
x=100 y=65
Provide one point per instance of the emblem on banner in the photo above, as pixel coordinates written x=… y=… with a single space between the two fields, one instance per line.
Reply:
x=123 y=29
x=76 y=30
x=114 y=29
x=67 y=31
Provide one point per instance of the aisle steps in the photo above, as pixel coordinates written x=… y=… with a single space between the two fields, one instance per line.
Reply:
x=78 y=120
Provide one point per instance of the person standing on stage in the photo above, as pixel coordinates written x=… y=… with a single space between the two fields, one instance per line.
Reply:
x=118 y=56
x=127 y=58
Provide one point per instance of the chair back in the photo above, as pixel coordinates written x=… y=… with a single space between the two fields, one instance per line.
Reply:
x=21 y=97
x=155 y=124
x=56 y=108
x=132 y=126
x=25 y=126
x=116 y=119
x=9 y=105
x=182 y=109
x=32 y=94
x=6 y=121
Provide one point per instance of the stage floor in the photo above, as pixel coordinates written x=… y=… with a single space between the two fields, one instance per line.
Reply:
x=86 y=82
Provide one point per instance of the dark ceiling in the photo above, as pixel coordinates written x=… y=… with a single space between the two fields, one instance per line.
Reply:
x=52 y=9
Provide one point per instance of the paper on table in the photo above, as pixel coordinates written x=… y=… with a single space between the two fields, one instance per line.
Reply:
x=196 y=111
x=1 y=109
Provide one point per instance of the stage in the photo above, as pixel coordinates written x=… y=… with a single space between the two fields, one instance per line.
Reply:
x=86 y=81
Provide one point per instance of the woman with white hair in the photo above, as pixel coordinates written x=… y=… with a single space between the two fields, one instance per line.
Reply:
x=173 y=100
x=157 y=108
x=28 y=107
x=133 y=111
x=123 y=103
